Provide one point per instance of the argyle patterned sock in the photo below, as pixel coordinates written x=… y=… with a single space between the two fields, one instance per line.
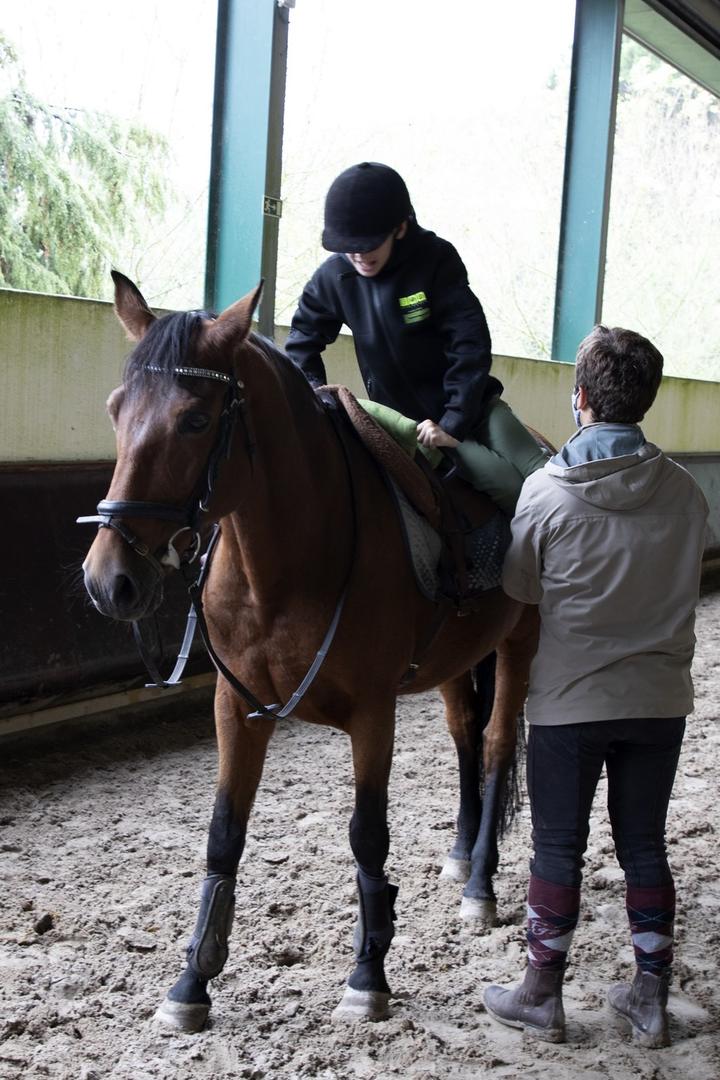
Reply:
x=651 y=913
x=553 y=912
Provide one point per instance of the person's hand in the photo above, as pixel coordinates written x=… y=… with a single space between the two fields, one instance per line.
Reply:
x=431 y=434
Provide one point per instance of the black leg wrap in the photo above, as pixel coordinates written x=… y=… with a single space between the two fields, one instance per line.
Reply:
x=374 y=931
x=208 y=947
x=485 y=856
x=471 y=807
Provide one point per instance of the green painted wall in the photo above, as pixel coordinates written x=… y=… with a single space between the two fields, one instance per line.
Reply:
x=60 y=357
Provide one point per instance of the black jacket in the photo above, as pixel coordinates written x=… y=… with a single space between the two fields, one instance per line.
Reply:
x=420 y=335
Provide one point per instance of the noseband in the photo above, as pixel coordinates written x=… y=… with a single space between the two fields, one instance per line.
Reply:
x=188 y=516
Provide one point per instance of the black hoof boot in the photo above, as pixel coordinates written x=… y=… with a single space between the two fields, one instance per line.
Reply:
x=367 y=994
x=187 y=1004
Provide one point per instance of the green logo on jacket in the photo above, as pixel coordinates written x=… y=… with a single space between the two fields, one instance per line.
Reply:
x=414 y=308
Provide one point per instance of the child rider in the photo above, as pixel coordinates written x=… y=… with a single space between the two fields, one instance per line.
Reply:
x=420 y=335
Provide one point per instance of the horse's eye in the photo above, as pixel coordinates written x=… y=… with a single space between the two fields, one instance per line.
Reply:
x=193 y=423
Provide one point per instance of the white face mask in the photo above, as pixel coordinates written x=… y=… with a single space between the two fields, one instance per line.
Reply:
x=576 y=412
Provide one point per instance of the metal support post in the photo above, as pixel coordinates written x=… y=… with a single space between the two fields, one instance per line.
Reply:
x=244 y=203
x=588 y=166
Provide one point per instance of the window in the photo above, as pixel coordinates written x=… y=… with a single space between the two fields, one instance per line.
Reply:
x=664 y=225
x=113 y=167
x=469 y=103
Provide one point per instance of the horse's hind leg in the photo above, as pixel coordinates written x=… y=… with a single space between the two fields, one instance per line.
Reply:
x=499 y=744
x=467 y=711
x=367 y=993
x=241 y=757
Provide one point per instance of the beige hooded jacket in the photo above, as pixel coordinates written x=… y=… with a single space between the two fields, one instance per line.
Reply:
x=610 y=549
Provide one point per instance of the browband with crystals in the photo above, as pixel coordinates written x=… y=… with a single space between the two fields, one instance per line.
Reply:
x=194 y=372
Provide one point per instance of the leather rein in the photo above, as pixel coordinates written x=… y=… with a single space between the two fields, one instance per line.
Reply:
x=188 y=517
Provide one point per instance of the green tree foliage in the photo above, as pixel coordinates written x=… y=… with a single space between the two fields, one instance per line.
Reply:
x=72 y=183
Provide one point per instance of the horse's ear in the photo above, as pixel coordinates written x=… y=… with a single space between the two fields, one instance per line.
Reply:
x=235 y=321
x=130 y=307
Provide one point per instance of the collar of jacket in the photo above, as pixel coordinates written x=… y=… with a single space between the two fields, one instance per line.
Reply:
x=598 y=441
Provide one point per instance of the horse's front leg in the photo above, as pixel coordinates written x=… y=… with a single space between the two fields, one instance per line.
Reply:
x=467 y=711
x=499 y=744
x=367 y=993
x=242 y=753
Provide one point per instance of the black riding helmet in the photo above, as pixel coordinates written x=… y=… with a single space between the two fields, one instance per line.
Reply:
x=363 y=206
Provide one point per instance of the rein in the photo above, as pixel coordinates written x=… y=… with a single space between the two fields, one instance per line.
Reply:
x=188 y=517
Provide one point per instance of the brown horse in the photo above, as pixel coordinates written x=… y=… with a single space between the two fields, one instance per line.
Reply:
x=305 y=519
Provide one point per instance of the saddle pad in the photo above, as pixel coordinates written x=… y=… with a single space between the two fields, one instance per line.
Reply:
x=485 y=549
x=423 y=544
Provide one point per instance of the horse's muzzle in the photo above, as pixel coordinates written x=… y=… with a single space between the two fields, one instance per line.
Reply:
x=120 y=583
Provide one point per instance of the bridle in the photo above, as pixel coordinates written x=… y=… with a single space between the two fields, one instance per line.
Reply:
x=189 y=518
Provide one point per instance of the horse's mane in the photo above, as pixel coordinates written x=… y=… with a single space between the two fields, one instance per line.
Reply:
x=290 y=372
x=168 y=344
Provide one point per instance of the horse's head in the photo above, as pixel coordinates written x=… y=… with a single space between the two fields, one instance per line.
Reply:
x=174 y=417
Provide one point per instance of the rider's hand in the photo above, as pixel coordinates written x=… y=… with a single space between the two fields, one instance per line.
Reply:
x=431 y=434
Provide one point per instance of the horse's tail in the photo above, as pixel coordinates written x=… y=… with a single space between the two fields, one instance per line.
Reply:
x=512 y=799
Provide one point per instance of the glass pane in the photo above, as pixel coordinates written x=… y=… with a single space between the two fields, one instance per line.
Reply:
x=469 y=109
x=663 y=254
x=105 y=129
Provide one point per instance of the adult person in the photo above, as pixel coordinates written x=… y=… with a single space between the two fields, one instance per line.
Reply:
x=420 y=334
x=608 y=541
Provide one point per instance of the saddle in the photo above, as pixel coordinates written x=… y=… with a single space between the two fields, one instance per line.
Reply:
x=456 y=536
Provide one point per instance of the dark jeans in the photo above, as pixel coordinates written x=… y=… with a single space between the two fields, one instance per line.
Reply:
x=564 y=766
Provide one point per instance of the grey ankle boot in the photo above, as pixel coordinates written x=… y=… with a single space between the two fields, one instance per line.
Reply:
x=535 y=1006
x=644 y=1003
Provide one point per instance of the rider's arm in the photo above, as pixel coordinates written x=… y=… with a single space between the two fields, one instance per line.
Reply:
x=315 y=324
x=462 y=325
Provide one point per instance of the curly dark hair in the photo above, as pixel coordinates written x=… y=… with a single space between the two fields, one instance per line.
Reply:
x=620 y=372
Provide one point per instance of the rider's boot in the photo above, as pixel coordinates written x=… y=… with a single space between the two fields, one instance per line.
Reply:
x=535 y=1005
x=643 y=1002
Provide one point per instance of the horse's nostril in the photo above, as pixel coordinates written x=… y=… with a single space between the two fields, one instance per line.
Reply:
x=124 y=593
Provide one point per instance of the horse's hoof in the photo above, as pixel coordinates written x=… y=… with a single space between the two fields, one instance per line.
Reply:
x=362 y=1005
x=482 y=913
x=183 y=1017
x=456 y=870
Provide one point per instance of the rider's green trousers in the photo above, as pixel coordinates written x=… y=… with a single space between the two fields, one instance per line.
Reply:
x=497 y=462
x=503 y=456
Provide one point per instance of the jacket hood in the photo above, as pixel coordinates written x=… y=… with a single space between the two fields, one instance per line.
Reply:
x=610 y=466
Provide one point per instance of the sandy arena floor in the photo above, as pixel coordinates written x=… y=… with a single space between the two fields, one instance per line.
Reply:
x=102 y=844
